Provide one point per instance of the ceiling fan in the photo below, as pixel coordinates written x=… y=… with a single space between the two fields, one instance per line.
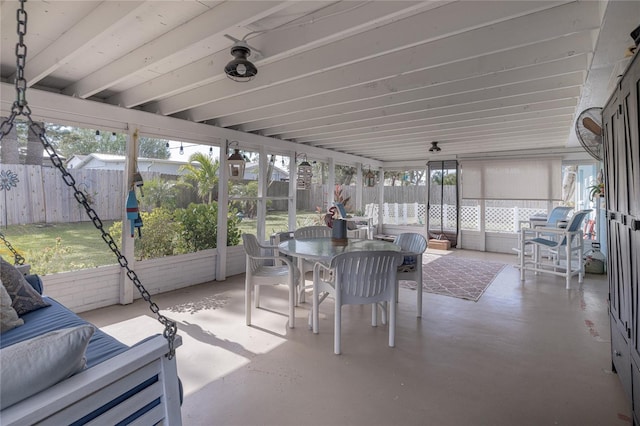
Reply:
x=435 y=147
x=589 y=131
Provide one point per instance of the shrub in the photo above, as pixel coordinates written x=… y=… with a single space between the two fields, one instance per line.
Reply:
x=50 y=260
x=158 y=192
x=159 y=232
x=184 y=231
x=199 y=227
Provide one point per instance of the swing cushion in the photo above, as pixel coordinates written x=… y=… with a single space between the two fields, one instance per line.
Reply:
x=56 y=317
x=24 y=298
x=8 y=316
x=33 y=365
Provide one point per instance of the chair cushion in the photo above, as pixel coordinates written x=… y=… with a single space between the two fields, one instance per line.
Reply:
x=543 y=241
x=23 y=296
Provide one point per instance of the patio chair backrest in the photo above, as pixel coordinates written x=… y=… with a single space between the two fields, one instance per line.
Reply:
x=253 y=251
x=365 y=277
x=575 y=224
x=558 y=214
x=411 y=242
x=312 y=232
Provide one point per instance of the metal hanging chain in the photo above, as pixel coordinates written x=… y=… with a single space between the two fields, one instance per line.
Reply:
x=18 y=259
x=20 y=108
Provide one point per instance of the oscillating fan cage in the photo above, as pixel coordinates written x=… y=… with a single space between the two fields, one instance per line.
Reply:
x=587 y=133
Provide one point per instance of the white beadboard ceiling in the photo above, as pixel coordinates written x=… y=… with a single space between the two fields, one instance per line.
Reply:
x=378 y=79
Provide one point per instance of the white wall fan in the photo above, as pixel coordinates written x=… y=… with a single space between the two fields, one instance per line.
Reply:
x=589 y=131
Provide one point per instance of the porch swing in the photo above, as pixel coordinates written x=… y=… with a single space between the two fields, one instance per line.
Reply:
x=140 y=383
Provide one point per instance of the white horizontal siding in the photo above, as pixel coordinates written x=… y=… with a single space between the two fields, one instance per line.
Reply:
x=174 y=272
x=94 y=288
x=86 y=289
x=471 y=240
x=236 y=260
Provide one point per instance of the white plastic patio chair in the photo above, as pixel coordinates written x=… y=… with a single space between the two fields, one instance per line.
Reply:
x=312 y=232
x=260 y=271
x=307 y=265
x=563 y=242
x=358 y=278
x=413 y=245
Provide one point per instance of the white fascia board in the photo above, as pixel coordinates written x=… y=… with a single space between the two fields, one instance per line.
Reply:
x=57 y=108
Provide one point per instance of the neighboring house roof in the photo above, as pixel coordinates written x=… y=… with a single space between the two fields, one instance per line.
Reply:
x=251 y=169
x=116 y=162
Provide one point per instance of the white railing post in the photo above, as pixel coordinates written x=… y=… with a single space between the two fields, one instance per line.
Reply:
x=516 y=218
x=396 y=212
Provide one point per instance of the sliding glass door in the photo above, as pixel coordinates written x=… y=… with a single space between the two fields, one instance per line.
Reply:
x=442 y=205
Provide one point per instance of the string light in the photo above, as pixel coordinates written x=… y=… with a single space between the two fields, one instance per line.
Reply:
x=181 y=149
x=97 y=135
x=113 y=136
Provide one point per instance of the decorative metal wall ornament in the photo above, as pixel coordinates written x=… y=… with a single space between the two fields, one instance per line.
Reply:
x=8 y=180
x=20 y=107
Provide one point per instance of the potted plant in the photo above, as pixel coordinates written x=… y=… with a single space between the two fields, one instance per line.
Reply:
x=596 y=190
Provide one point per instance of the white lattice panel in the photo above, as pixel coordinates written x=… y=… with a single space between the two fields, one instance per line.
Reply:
x=470 y=218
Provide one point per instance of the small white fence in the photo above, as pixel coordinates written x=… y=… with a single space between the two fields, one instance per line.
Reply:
x=497 y=219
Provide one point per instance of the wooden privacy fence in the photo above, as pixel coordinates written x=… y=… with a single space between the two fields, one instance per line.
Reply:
x=41 y=196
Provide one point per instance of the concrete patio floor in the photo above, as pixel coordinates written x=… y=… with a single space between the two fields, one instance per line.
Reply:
x=529 y=353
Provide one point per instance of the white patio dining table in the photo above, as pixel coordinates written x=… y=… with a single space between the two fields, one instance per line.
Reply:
x=324 y=249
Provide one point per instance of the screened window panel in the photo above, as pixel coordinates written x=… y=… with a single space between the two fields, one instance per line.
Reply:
x=539 y=179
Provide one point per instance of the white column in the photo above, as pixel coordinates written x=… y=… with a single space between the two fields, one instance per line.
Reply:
x=331 y=184
x=263 y=163
x=380 y=225
x=223 y=211
x=293 y=193
x=359 y=186
x=125 y=284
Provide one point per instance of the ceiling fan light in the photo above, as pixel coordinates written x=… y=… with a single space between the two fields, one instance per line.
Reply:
x=240 y=69
x=435 y=147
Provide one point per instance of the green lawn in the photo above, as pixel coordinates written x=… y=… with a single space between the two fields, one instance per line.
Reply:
x=63 y=247
x=277 y=222
x=59 y=247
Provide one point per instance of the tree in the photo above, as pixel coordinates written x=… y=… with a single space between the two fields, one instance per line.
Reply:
x=204 y=174
x=344 y=174
x=70 y=141
x=153 y=148
x=449 y=178
x=158 y=193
